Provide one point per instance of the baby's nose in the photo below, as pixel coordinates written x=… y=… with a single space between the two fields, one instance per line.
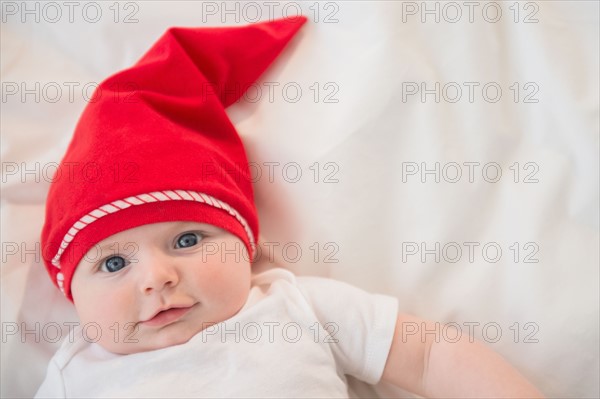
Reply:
x=158 y=273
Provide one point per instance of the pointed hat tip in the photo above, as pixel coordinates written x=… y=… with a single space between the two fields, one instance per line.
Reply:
x=288 y=25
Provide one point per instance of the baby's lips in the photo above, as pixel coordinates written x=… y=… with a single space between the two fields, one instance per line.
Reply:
x=167 y=315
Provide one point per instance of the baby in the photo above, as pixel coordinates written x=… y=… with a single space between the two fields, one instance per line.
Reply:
x=154 y=239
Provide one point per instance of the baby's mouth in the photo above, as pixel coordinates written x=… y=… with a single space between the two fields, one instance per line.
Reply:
x=167 y=316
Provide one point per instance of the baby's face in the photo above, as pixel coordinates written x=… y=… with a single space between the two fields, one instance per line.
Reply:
x=158 y=285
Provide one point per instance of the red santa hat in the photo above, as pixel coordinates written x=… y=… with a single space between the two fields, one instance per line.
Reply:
x=155 y=144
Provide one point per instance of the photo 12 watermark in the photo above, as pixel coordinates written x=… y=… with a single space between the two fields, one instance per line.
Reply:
x=469 y=251
x=452 y=332
x=470 y=92
x=325 y=172
x=53 y=12
x=327 y=12
x=81 y=172
x=469 y=172
x=288 y=92
x=453 y=12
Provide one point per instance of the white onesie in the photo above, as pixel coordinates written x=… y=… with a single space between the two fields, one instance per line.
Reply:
x=294 y=337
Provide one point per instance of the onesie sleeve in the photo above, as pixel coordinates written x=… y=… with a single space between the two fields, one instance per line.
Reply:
x=359 y=325
x=53 y=386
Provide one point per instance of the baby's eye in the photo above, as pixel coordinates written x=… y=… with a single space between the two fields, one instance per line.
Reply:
x=187 y=240
x=113 y=264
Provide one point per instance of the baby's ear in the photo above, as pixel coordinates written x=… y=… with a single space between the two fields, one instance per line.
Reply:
x=263 y=260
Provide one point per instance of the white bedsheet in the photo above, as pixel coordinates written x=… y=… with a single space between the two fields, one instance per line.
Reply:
x=383 y=172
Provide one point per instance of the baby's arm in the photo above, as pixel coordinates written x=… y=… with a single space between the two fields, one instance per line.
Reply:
x=450 y=369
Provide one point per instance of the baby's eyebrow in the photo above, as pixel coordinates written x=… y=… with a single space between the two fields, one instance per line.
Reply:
x=183 y=226
x=115 y=246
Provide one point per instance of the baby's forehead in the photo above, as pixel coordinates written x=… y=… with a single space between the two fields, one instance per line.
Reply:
x=158 y=230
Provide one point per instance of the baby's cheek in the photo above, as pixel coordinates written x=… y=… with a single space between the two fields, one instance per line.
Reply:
x=128 y=338
x=119 y=332
x=223 y=288
x=103 y=312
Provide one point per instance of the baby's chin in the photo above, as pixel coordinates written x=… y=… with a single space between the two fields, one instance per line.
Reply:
x=145 y=341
